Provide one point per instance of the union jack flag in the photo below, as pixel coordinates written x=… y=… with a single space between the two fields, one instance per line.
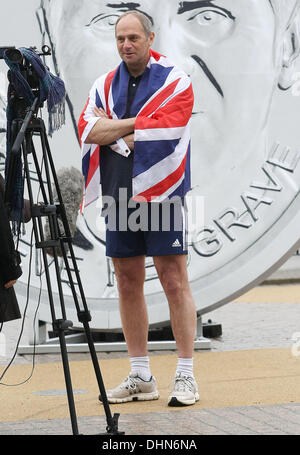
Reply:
x=163 y=106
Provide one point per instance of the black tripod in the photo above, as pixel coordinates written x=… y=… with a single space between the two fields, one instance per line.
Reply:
x=22 y=132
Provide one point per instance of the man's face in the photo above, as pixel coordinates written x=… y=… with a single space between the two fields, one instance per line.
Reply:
x=132 y=42
x=226 y=46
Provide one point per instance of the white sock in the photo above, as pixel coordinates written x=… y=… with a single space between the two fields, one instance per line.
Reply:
x=185 y=366
x=140 y=365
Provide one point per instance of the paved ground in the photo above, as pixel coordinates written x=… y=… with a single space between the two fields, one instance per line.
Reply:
x=259 y=324
x=255 y=420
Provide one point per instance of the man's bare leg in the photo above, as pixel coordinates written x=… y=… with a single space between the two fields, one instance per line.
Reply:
x=130 y=273
x=139 y=384
x=172 y=272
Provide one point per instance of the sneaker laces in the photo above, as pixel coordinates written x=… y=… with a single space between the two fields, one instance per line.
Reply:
x=129 y=383
x=181 y=383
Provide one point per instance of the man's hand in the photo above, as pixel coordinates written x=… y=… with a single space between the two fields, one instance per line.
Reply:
x=99 y=112
x=10 y=284
x=129 y=139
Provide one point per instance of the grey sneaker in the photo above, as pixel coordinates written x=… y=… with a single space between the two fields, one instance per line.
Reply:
x=185 y=391
x=133 y=388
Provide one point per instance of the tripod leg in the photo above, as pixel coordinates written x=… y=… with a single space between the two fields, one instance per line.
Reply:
x=83 y=316
x=62 y=325
x=112 y=422
x=59 y=325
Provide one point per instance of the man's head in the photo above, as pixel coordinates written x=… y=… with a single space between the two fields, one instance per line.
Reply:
x=134 y=38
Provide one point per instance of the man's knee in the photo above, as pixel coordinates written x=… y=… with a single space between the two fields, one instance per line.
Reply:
x=130 y=275
x=172 y=273
x=171 y=281
x=130 y=279
x=129 y=283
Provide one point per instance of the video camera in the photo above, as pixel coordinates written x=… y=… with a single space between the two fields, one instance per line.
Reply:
x=15 y=56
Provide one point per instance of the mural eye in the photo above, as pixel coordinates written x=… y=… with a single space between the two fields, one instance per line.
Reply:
x=209 y=17
x=208 y=26
x=104 y=23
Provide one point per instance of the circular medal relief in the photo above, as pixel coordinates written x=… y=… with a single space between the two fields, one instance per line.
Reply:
x=244 y=208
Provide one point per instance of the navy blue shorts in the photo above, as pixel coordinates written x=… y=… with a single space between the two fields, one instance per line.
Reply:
x=151 y=229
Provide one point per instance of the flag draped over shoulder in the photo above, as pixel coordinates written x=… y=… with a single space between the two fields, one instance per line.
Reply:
x=163 y=106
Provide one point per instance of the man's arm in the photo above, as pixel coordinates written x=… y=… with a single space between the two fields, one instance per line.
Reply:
x=106 y=130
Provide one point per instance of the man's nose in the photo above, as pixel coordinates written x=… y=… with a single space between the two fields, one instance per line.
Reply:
x=127 y=43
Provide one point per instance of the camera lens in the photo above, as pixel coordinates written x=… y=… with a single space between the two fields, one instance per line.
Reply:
x=14 y=55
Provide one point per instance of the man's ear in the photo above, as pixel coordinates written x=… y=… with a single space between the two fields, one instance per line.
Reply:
x=291 y=51
x=151 y=38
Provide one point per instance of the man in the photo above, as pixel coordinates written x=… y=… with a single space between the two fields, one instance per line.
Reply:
x=138 y=104
x=10 y=269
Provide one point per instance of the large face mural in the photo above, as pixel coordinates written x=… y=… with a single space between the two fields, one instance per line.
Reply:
x=242 y=57
x=237 y=53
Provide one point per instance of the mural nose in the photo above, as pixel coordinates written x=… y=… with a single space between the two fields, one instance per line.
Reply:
x=171 y=47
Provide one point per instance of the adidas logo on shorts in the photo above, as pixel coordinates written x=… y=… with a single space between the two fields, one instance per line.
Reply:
x=176 y=244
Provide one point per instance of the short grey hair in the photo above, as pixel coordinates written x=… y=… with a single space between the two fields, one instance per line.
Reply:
x=144 y=20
